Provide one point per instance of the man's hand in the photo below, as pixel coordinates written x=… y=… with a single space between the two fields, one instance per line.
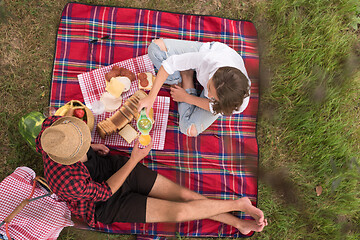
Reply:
x=137 y=153
x=100 y=149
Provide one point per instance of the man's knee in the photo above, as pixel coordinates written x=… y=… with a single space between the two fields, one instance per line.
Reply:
x=191 y=131
x=161 y=44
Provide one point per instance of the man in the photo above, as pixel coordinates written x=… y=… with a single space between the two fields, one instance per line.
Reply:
x=100 y=187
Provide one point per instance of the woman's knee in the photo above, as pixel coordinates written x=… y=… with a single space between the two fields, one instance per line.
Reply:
x=160 y=44
x=156 y=53
x=190 y=131
x=156 y=46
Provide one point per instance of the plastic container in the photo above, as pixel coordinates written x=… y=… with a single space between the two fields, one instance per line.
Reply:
x=97 y=107
x=144 y=123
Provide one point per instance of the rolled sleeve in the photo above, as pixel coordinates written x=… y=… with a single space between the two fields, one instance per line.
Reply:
x=88 y=190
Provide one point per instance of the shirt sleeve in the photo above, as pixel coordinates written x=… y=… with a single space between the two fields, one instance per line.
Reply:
x=86 y=189
x=183 y=62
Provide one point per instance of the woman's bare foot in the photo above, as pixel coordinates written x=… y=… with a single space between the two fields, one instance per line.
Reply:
x=248 y=208
x=247 y=226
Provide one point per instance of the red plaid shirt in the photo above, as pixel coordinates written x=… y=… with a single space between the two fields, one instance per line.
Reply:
x=72 y=183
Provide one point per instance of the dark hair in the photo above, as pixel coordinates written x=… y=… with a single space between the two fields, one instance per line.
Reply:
x=231 y=87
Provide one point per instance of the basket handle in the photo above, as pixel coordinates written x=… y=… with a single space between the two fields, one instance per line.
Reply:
x=16 y=210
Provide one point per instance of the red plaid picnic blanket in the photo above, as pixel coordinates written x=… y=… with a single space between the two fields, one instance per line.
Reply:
x=221 y=162
x=92 y=85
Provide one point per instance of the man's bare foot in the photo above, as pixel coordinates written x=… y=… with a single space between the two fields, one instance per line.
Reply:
x=248 y=208
x=247 y=226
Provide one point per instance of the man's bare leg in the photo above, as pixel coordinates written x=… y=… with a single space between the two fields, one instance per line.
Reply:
x=158 y=210
x=168 y=190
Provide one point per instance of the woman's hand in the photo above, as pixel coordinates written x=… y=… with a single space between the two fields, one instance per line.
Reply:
x=178 y=94
x=149 y=100
x=147 y=103
x=100 y=149
x=137 y=153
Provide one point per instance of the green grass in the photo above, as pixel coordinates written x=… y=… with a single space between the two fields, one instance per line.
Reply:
x=308 y=129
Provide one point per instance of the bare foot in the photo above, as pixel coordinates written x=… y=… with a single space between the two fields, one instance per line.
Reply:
x=247 y=226
x=248 y=208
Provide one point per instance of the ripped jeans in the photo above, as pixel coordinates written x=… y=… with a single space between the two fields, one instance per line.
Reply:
x=190 y=116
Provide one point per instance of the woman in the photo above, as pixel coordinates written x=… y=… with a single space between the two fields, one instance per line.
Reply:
x=219 y=69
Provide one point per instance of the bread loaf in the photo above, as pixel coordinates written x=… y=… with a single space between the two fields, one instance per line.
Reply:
x=118 y=120
x=132 y=109
x=121 y=117
x=105 y=128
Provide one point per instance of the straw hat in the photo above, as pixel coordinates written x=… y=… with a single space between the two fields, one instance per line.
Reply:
x=67 y=140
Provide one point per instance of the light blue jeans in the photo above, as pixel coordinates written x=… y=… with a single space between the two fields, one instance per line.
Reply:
x=190 y=116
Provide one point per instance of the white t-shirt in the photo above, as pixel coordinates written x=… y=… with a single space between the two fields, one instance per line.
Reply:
x=206 y=62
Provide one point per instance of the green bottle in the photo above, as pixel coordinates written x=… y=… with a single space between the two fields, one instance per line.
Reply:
x=144 y=123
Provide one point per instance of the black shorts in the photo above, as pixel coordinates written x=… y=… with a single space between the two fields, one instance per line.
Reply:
x=128 y=204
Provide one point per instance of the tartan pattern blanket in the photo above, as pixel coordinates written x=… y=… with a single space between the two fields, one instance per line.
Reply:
x=220 y=163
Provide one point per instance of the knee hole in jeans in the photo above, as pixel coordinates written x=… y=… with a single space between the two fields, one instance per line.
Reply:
x=160 y=44
x=191 y=131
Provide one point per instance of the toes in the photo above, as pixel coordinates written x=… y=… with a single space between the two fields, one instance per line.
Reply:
x=261 y=218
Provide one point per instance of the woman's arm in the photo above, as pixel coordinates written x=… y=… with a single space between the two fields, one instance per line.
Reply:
x=199 y=102
x=179 y=94
x=148 y=101
x=181 y=62
x=118 y=178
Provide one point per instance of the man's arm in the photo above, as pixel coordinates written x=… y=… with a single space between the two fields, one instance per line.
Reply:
x=100 y=149
x=118 y=178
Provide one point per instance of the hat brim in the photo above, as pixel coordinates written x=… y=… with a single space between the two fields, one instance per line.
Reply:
x=86 y=140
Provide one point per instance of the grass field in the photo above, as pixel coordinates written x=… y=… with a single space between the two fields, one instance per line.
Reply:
x=308 y=128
